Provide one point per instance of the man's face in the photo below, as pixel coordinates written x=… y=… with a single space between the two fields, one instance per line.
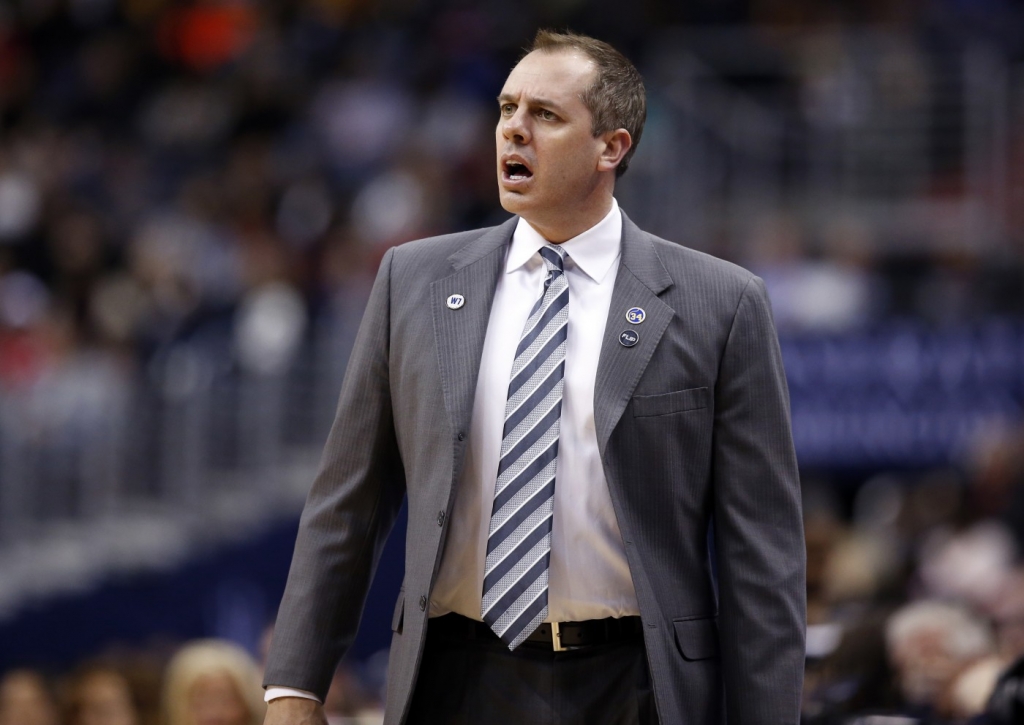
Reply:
x=547 y=155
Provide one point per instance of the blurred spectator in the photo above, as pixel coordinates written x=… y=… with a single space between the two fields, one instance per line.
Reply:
x=998 y=482
x=212 y=682
x=971 y=689
x=833 y=291
x=930 y=644
x=25 y=699
x=205 y=36
x=970 y=565
x=852 y=674
x=99 y=695
x=1006 y=705
x=1007 y=612
x=349 y=701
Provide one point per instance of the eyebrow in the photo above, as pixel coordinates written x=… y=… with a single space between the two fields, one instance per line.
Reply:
x=506 y=97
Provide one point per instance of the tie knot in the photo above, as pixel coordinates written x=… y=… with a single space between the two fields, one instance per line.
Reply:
x=554 y=257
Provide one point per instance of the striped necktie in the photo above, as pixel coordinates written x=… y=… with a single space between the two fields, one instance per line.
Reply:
x=515 y=592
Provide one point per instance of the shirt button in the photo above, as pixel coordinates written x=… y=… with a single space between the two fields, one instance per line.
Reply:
x=440 y=518
x=423 y=603
x=462 y=436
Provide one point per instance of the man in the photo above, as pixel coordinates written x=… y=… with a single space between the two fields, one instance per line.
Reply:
x=579 y=413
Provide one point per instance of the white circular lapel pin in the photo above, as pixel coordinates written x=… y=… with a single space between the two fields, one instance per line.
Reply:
x=635 y=315
x=454 y=302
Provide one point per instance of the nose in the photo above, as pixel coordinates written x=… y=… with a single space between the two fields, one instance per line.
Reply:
x=514 y=127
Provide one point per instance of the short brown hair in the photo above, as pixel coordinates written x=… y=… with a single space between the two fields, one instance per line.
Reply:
x=616 y=98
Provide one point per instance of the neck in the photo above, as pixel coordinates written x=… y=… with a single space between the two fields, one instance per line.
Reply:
x=568 y=225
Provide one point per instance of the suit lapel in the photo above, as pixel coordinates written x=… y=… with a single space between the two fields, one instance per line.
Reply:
x=641 y=278
x=460 y=333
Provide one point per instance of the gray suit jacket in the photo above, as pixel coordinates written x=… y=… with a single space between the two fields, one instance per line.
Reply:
x=693 y=428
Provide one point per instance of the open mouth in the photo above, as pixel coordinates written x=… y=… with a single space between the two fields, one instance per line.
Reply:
x=516 y=171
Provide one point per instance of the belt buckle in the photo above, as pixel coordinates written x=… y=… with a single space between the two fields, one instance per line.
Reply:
x=556 y=638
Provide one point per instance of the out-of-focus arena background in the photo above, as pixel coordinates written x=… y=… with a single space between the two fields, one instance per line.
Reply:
x=193 y=200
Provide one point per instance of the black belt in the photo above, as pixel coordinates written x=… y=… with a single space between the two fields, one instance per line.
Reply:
x=556 y=636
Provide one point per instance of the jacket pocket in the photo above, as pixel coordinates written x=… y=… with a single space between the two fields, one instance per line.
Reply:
x=397 y=619
x=677 y=401
x=697 y=639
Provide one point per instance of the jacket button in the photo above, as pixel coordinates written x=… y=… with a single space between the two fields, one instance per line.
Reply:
x=423 y=603
x=462 y=436
x=440 y=518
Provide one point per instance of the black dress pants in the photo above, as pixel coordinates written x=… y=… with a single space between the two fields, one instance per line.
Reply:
x=479 y=682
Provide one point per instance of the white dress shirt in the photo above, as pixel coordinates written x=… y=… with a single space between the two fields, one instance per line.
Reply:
x=589 y=576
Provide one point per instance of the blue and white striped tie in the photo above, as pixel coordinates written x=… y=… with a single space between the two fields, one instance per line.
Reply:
x=515 y=596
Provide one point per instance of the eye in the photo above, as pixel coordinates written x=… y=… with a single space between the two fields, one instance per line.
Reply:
x=507 y=109
x=547 y=115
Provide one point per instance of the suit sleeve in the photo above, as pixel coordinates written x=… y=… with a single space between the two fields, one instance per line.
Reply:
x=349 y=513
x=758 y=524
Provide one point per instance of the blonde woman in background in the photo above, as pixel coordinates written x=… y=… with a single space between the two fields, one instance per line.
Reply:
x=100 y=695
x=25 y=699
x=212 y=682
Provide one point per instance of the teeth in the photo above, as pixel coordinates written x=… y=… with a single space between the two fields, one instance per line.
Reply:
x=516 y=171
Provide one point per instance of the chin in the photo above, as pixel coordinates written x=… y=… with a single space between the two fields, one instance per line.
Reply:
x=512 y=202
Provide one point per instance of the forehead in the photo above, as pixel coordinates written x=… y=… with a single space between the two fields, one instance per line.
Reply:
x=556 y=74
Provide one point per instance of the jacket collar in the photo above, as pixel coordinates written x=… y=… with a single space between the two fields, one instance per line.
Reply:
x=639 y=254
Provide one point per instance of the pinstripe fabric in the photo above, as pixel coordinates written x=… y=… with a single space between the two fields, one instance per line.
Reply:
x=692 y=423
x=515 y=592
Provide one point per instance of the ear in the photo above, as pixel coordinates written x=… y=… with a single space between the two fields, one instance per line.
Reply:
x=616 y=144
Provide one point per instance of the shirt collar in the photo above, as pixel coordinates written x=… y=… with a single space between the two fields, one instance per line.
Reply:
x=593 y=252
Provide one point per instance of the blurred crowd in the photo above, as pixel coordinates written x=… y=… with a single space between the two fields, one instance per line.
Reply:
x=204 y=682
x=916 y=593
x=163 y=163
x=188 y=192
x=915 y=616
x=845 y=275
